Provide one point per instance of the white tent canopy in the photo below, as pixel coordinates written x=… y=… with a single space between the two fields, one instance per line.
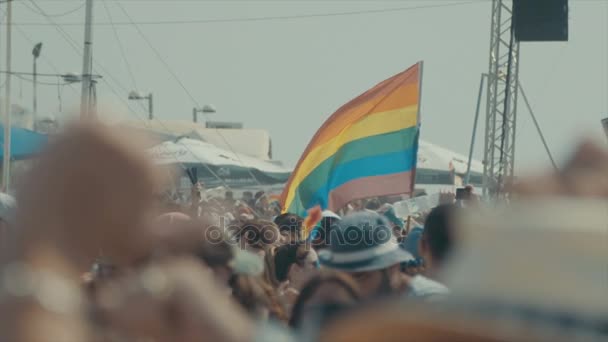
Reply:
x=435 y=157
x=247 y=141
x=218 y=163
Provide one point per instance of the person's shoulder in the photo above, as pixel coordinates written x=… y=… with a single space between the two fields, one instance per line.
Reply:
x=423 y=287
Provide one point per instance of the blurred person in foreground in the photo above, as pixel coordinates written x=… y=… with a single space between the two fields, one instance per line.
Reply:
x=234 y=269
x=363 y=246
x=86 y=194
x=176 y=299
x=324 y=296
x=532 y=270
x=8 y=208
x=176 y=234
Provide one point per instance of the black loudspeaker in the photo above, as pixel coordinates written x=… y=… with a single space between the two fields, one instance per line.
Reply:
x=540 y=20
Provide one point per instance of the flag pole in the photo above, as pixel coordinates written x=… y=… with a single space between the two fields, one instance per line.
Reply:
x=413 y=185
x=421 y=63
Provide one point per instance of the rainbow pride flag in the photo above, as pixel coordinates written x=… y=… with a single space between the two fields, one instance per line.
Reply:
x=367 y=148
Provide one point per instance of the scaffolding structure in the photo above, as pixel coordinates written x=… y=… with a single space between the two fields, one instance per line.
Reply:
x=501 y=104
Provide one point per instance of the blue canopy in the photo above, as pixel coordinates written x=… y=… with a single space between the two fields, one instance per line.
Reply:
x=24 y=143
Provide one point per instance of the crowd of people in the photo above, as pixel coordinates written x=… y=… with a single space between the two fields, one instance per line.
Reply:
x=92 y=252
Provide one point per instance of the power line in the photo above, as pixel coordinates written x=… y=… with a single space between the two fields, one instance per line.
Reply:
x=72 y=43
x=56 y=15
x=266 y=18
x=21 y=77
x=181 y=84
x=258 y=1
x=160 y=57
x=57 y=27
x=37 y=74
x=45 y=58
x=122 y=50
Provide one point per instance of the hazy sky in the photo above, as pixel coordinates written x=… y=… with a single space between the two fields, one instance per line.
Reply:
x=289 y=75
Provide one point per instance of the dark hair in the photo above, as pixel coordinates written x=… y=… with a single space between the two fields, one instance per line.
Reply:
x=373 y=204
x=258 y=195
x=437 y=233
x=340 y=279
x=278 y=260
x=287 y=255
x=289 y=222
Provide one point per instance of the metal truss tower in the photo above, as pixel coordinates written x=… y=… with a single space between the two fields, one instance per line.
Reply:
x=501 y=103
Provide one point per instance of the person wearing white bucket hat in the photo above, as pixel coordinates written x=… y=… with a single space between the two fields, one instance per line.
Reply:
x=362 y=244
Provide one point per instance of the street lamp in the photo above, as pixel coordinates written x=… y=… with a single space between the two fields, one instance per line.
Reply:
x=134 y=95
x=36 y=54
x=71 y=77
x=207 y=109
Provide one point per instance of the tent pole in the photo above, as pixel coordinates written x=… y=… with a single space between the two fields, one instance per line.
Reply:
x=467 y=177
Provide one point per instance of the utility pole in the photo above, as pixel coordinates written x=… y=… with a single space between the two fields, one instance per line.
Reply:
x=501 y=104
x=36 y=54
x=6 y=162
x=150 y=108
x=87 y=64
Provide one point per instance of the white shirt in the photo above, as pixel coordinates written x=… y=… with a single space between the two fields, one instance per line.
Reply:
x=423 y=287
